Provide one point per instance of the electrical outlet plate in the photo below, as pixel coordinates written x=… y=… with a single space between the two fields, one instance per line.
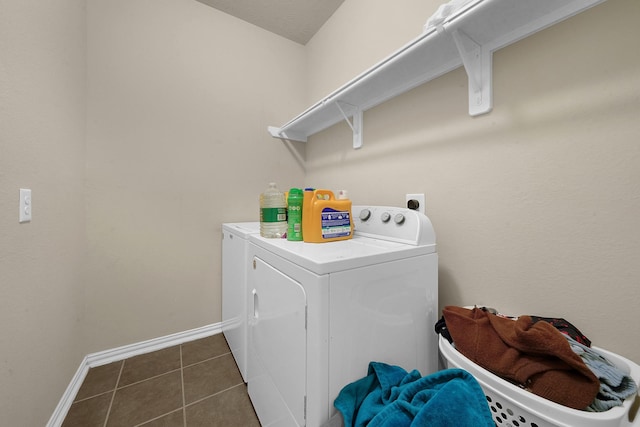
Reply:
x=25 y=205
x=418 y=198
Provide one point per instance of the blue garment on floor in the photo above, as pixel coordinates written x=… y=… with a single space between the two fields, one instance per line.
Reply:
x=389 y=396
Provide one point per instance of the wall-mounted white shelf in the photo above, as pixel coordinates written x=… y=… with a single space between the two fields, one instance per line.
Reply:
x=467 y=37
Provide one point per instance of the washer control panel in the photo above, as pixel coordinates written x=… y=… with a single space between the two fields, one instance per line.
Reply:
x=394 y=224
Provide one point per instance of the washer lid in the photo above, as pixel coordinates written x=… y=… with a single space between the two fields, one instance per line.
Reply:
x=323 y=258
x=243 y=229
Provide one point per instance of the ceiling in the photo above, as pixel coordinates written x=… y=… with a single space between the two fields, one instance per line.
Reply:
x=297 y=20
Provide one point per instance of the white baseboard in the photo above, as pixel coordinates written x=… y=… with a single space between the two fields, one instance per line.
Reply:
x=124 y=352
x=59 y=414
x=120 y=353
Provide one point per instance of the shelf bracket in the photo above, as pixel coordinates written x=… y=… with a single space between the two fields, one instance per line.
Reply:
x=355 y=124
x=477 y=61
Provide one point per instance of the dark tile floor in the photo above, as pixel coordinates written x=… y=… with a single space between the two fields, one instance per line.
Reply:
x=190 y=385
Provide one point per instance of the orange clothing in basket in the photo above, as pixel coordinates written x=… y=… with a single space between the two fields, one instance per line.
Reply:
x=534 y=355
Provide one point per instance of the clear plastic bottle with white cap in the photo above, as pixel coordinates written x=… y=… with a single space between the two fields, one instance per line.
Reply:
x=273 y=213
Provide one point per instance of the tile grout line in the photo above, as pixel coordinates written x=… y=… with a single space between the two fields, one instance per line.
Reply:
x=150 y=378
x=184 y=409
x=84 y=399
x=214 y=394
x=113 y=396
x=206 y=360
x=156 y=418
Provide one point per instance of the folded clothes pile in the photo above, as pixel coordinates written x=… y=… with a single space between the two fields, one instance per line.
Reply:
x=549 y=357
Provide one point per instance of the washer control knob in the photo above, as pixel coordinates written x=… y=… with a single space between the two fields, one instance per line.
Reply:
x=365 y=214
x=385 y=217
x=398 y=219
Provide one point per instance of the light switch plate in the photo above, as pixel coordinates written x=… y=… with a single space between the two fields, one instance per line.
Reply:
x=25 y=205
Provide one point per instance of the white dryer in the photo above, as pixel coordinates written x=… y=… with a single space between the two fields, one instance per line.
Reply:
x=235 y=265
x=320 y=312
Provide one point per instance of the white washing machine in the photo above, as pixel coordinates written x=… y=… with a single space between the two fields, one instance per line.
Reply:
x=320 y=312
x=235 y=265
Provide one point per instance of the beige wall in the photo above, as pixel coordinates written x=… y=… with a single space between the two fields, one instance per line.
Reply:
x=42 y=119
x=133 y=170
x=360 y=34
x=180 y=97
x=536 y=204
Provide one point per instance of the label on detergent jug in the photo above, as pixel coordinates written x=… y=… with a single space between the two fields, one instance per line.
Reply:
x=335 y=223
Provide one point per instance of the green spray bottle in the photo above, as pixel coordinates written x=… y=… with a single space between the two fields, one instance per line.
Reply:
x=294 y=220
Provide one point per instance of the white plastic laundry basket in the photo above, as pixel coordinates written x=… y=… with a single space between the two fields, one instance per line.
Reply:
x=512 y=406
